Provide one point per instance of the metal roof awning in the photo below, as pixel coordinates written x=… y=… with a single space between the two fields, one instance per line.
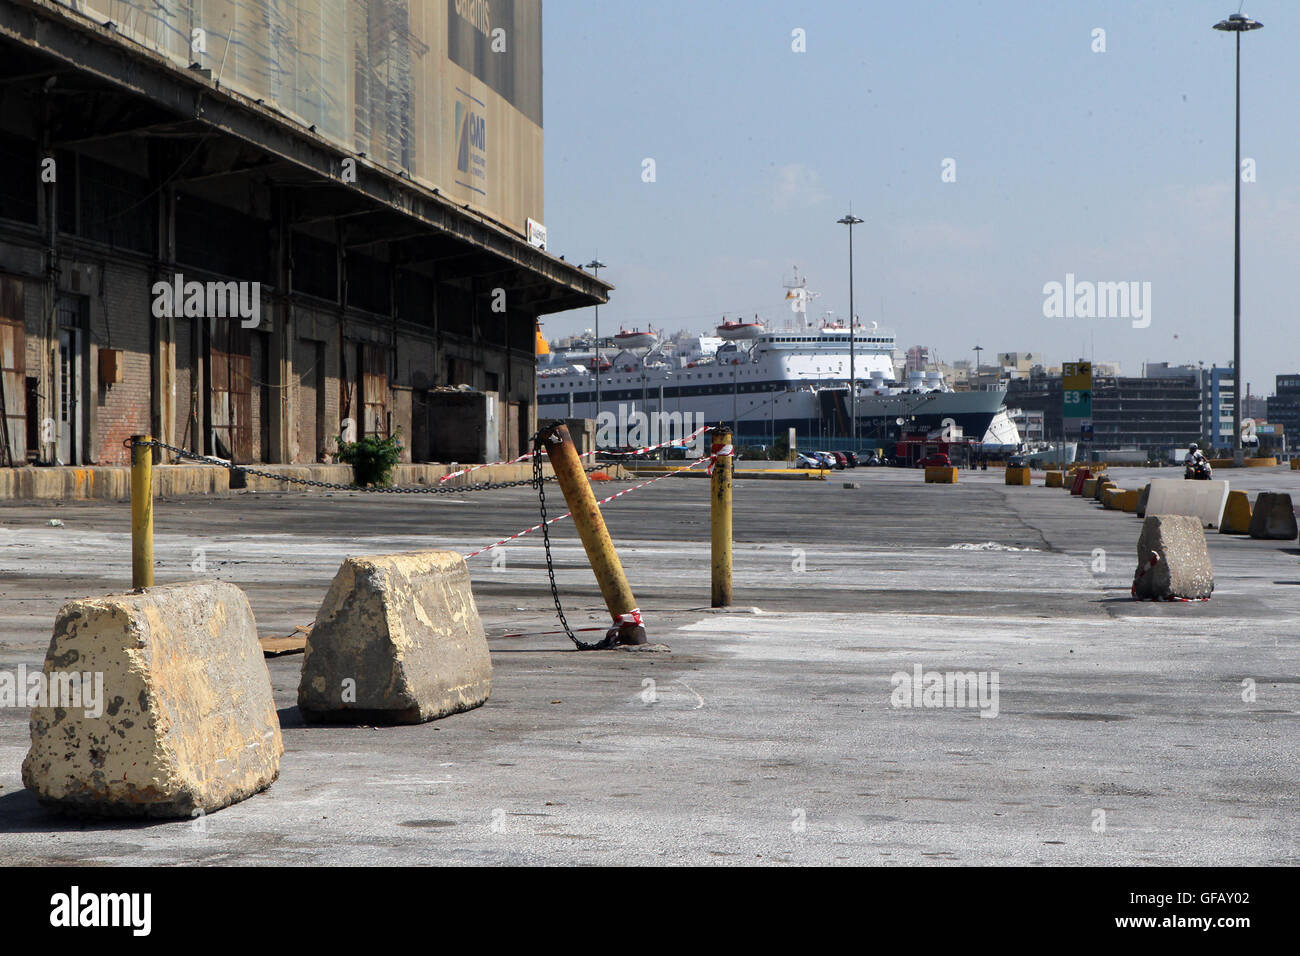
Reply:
x=130 y=90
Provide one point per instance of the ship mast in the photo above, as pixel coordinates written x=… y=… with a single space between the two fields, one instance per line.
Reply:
x=797 y=294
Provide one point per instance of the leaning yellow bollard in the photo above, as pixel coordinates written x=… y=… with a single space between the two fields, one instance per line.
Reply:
x=141 y=512
x=720 y=516
x=573 y=481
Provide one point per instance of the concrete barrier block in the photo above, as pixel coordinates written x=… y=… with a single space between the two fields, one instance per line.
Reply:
x=1110 y=498
x=1178 y=496
x=1236 y=514
x=1143 y=498
x=1295 y=464
x=1128 y=500
x=1090 y=487
x=1103 y=485
x=1273 y=517
x=1017 y=476
x=183 y=718
x=1055 y=479
x=940 y=475
x=1261 y=462
x=397 y=639
x=1173 y=559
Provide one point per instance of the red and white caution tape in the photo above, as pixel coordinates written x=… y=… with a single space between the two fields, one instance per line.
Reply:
x=724 y=451
x=586 y=454
x=466 y=471
x=625 y=491
x=663 y=444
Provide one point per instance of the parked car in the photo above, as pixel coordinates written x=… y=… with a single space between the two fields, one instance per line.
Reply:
x=853 y=459
x=841 y=459
x=803 y=460
x=826 y=458
x=936 y=459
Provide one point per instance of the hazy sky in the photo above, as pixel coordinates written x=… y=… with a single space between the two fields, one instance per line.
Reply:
x=1113 y=166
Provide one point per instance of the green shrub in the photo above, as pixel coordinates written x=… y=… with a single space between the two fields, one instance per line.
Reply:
x=372 y=458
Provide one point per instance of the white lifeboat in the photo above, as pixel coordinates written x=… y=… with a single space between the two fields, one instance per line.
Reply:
x=732 y=331
x=635 y=339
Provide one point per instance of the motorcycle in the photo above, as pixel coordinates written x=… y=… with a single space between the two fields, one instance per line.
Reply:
x=1197 y=471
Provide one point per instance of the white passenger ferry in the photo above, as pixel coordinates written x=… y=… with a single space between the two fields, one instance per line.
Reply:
x=769 y=381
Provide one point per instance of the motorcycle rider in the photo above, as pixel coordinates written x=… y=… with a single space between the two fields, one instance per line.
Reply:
x=1196 y=461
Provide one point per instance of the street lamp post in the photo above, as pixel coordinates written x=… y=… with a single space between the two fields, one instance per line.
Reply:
x=595 y=265
x=851 y=220
x=1237 y=24
x=976 y=370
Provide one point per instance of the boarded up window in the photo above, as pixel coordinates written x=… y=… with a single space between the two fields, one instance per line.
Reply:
x=374 y=388
x=12 y=362
x=309 y=374
x=230 y=410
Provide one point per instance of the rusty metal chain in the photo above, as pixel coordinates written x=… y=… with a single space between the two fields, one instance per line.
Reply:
x=550 y=567
x=338 y=486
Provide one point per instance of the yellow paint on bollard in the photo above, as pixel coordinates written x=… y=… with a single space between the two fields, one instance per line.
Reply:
x=141 y=512
x=1236 y=514
x=1090 y=487
x=1055 y=479
x=1128 y=501
x=595 y=536
x=1017 y=476
x=720 y=490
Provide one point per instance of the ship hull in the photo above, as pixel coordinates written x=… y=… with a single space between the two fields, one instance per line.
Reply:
x=768 y=410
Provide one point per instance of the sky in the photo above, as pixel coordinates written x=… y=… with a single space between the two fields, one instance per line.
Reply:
x=1112 y=166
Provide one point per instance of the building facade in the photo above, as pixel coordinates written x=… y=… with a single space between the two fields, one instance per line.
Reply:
x=1153 y=414
x=1284 y=405
x=248 y=227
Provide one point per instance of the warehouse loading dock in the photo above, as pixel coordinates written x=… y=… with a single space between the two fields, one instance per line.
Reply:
x=380 y=275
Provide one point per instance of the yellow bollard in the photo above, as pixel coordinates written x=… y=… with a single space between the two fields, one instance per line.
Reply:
x=141 y=512
x=720 y=516
x=628 y=628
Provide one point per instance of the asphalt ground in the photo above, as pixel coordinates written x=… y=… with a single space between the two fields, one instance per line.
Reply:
x=1125 y=732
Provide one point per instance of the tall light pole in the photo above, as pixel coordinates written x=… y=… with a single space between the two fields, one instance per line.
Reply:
x=976 y=370
x=595 y=265
x=851 y=220
x=1237 y=24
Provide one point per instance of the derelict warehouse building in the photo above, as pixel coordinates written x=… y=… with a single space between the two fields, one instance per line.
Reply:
x=238 y=224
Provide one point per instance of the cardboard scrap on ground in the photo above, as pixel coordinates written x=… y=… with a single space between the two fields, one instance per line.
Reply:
x=294 y=643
